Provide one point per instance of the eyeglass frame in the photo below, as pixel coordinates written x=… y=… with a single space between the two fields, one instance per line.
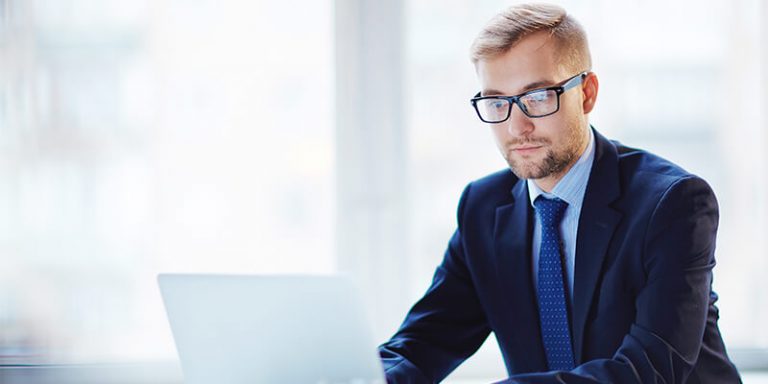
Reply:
x=559 y=90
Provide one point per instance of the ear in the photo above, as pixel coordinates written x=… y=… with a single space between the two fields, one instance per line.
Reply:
x=589 y=91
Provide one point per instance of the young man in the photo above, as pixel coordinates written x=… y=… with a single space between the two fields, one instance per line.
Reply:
x=590 y=261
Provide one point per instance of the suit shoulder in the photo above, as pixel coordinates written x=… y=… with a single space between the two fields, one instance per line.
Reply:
x=488 y=192
x=498 y=183
x=648 y=167
x=647 y=172
x=481 y=197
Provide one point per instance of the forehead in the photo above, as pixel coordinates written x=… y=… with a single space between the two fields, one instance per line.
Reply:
x=531 y=63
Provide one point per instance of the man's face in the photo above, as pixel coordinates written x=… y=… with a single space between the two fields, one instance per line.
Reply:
x=541 y=148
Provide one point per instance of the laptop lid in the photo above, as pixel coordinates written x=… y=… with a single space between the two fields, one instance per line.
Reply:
x=270 y=329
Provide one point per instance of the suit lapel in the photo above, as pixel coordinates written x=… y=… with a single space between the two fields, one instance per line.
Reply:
x=512 y=234
x=597 y=223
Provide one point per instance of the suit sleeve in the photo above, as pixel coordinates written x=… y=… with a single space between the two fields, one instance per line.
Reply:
x=663 y=343
x=443 y=328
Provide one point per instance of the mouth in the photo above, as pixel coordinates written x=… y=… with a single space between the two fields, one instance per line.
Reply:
x=526 y=149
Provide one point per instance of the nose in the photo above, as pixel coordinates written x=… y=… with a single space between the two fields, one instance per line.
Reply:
x=518 y=123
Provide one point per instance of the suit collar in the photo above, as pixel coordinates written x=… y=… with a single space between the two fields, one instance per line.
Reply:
x=597 y=223
x=512 y=234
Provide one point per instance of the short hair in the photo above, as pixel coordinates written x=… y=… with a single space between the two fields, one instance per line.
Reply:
x=515 y=23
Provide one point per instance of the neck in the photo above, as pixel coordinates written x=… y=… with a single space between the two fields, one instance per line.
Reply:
x=547 y=184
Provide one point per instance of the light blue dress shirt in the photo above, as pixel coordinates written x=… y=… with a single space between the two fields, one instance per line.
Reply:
x=570 y=189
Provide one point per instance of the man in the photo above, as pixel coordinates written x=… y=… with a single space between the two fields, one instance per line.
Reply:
x=591 y=262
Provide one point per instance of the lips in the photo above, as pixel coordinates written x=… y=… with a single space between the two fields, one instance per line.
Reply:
x=526 y=149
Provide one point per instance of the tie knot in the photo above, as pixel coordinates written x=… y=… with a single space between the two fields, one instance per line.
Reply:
x=550 y=211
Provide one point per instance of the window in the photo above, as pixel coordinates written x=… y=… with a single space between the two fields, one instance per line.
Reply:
x=303 y=136
x=154 y=136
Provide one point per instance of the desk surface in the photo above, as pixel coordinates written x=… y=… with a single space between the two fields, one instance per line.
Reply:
x=133 y=373
x=161 y=373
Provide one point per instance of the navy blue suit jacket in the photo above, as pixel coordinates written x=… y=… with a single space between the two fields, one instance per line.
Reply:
x=643 y=309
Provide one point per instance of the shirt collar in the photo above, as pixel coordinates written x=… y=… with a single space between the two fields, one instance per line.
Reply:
x=572 y=186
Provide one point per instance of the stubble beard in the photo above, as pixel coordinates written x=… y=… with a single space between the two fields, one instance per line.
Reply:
x=554 y=163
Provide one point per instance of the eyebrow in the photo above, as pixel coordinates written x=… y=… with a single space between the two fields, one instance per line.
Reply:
x=528 y=87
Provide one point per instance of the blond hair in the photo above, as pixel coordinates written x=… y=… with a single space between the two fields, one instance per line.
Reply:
x=513 y=24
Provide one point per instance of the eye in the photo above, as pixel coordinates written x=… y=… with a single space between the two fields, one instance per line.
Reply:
x=537 y=97
x=499 y=104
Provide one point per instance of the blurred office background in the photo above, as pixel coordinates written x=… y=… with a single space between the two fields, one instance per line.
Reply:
x=304 y=136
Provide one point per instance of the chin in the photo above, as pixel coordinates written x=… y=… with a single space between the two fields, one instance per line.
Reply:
x=525 y=171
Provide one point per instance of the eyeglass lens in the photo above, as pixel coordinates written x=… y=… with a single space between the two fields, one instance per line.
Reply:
x=533 y=104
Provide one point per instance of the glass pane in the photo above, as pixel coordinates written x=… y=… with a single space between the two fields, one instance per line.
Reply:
x=148 y=136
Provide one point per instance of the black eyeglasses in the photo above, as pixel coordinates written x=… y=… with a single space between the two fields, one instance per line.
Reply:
x=535 y=103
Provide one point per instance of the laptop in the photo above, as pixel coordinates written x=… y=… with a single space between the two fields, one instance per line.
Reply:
x=270 y=329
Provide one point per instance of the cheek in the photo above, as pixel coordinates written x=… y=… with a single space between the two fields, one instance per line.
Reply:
x=499 y=133
x=501 y=138
x=573 y=109
x=561 y=128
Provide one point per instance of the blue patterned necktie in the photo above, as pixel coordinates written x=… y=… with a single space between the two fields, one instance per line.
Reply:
x=553 y=312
